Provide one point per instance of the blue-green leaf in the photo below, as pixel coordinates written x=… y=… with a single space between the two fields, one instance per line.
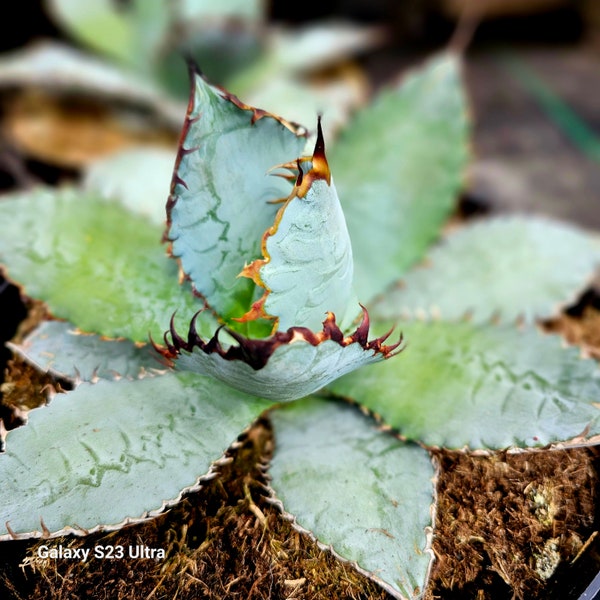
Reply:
x=115 y=452
x=94 y=263
x=220 y=203
x=359 y=490
x=58 y=348
x=460 y=384
x=138 y=178
x=307 y=269
x=506 y=267
x=132 y=33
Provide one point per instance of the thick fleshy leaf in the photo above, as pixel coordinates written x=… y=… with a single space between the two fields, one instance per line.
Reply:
x=310 y=265
x=221 y=47
x=139 y=178
x=94 y=264
x=291 y=52
x=223 y=187
x=307 y=267
x=458 y=384
x=106 y=454
x=507 y=267
x=286 y=366
x=362 y=492
x=398 y=168
x=56 y=347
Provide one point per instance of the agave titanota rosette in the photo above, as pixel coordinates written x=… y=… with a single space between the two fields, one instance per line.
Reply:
x=286 y=209
x=143 y=442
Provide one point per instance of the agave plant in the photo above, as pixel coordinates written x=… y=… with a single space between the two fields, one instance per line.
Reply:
x=291 y=301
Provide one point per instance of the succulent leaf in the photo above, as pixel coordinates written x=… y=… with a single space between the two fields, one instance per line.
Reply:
x=94 y=263
x=398 y=169
x=223 y=187
x=56 y=347
x=307 y=266
x=508 y=267
x=363 y=492
x=460 y=384
x=141 y=444
x=286 y=366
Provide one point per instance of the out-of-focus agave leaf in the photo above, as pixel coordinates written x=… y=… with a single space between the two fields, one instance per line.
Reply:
x=285 y=81
x=291 y=52
x=246 y=10
x=94 y=264
x=223 y=48
x=61 y=68
x=336 y=97
x=322 y=44
x=222 y=185
x=138 y=177
x=97 y=23
x=106 y=454
x=286 y=366
x=56 y=347
x=152 y=35
x=131 y=32
x=509 y=267
x=398 y=168
x=459 y=384
x=362 y=492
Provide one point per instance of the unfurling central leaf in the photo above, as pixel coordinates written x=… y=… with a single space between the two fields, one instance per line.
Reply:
x=307 y=269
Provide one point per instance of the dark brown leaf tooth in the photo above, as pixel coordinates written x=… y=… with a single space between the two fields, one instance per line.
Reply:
x=331 y=329
x=171 y=349
x=179 y=181
x=256 y=353
x=300 y=174
x=177 y=340
x=213 y=345
x=387 y=351
x=193 y=338
x=361 y=334
x=164 y=352
x=319 y=151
